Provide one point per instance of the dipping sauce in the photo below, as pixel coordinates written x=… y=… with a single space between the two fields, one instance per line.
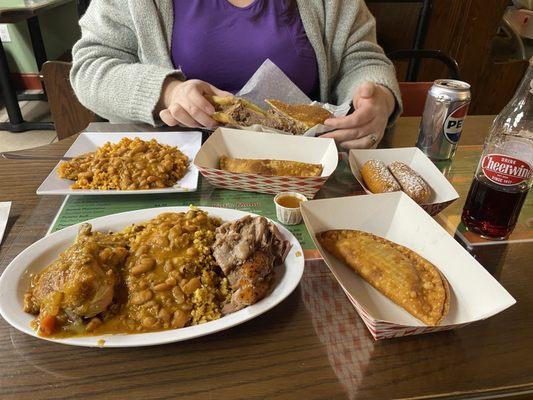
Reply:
x=288 y=207
x=289 y=201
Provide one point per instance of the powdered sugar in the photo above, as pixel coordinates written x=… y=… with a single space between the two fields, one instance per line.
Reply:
x=411 y=183
x=380 y=169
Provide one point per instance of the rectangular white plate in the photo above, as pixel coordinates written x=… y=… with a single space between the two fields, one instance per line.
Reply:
x=476 y=295
x=188 y=142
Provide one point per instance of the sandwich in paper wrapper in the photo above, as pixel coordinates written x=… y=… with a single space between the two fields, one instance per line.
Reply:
x=271 y=102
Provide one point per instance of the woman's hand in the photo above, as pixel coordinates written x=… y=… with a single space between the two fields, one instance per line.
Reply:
x=364 y=128
x=184 y=102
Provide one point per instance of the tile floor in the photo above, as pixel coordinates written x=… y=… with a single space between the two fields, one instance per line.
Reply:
x=31 y=111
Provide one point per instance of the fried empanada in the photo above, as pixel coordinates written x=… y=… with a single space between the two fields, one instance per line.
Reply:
x=269 y=167
x=406 y=278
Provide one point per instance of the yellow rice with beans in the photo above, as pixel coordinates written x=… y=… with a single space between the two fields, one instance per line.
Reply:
x=131 y=164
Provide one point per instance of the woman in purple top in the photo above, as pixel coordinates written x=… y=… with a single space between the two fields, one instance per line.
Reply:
x=326 y=47
x=224 y=44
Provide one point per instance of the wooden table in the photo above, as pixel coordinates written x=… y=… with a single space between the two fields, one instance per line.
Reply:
x=289 y=352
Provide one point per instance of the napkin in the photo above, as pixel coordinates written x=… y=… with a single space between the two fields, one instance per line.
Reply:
x=270 y=82
x=4 y=215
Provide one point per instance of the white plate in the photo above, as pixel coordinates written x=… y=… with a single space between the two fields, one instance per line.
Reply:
x=15 y=280
x=188 y=142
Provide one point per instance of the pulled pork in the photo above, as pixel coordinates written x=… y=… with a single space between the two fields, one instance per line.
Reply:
x=247 y=251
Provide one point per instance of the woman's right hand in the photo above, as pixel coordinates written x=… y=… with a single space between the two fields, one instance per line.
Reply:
x=184 y=102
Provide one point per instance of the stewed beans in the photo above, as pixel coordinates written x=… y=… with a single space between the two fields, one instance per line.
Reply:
x=172 y=262
x=127 y=165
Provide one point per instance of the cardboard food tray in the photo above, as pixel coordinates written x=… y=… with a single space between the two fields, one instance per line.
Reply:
x=253 y=145
x=442 y=192
x=476 y=295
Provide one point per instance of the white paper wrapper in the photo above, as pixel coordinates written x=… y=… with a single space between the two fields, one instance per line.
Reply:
x=4 y=215
x=269 y=82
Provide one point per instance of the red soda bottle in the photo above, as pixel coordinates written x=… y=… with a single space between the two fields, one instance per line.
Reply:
x=504 y=173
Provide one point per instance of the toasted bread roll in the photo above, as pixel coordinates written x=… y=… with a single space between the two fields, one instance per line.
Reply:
x=291 y=118
x=302 y=116
x=378 y=178
x=236 y=111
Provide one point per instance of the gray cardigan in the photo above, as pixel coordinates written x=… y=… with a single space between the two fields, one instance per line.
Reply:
x=123 y=56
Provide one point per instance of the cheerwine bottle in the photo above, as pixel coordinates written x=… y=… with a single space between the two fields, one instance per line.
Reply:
x=504 y=174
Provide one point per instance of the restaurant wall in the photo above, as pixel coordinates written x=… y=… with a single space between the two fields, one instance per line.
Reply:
x=463 y=29
x=60 y=30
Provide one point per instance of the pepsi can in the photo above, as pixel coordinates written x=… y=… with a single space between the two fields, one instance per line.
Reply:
x=443 y=119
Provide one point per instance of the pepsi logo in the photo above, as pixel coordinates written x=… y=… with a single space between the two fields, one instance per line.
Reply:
x=453 y=125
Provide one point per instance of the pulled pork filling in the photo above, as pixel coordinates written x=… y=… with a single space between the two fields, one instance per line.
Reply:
x=285 y=124
x=247 y=251
x=272 y=119
x=245 y=116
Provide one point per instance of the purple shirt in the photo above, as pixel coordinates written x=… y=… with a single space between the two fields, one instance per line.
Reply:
x=223 y=44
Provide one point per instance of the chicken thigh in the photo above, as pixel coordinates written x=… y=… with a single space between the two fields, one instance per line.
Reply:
x=81 y=282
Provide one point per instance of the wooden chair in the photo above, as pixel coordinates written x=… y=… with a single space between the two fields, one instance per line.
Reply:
x=414 y=97
x=419 y=34
x=414 y=94
x=69 y=115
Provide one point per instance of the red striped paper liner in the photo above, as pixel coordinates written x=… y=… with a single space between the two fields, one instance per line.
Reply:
x=308 y=186
x=388 y=330
x=434 y=209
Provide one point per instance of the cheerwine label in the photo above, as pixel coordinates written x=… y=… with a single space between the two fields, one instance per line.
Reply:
x=443 y=119
x=505 y=170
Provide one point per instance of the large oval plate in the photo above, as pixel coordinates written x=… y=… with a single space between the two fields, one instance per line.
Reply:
x=15 y=280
